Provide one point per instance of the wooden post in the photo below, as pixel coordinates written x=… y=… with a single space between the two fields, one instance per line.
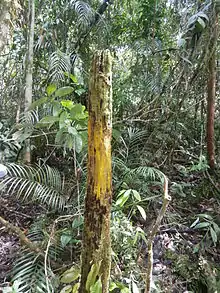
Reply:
x=96 y=254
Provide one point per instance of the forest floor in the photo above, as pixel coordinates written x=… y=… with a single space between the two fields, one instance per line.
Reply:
x=18 y=214
x=183 y=256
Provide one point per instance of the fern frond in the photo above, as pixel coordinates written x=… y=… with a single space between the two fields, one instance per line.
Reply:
x=43 y=184
x=58 y=64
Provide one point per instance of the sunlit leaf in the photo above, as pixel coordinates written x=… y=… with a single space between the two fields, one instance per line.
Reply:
x=142 y=212
x=91 y=279
x=123 y=198
x=136 y=195
x=75 y=288
x=70 y=275
x=51 y=89
x=71 y=76
x=66 y=289
x=67 y=104
x=112 y=286
x=97 y=287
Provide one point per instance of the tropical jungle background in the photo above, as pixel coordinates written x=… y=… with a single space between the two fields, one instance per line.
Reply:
x=165 y=124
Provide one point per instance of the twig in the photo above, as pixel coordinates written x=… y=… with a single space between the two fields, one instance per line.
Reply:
x=21 y=235
x=166 y=200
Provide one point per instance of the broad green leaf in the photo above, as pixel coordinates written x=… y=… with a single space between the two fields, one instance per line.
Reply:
x=78 y=143
x=135 y=288
x=75 y=288
x=49 y=120
x=56 y=109
x=70 y=275
x=71 y=76
x=97 y=287
x=208 y=217
x=216 y=228
x=67 y=104
x=121 y=192
x=136 y=194
x=123 y=198
x=64 y=119
x=202 y=225
x=116 y=134
x=213 y=235
x=69 y=141
x=63 y=91
x=51 y=89
x=112 y=286
x=72 y=130
x=122 y=287
x=66 y=289
x=65 y=239
x=92 y=276
x=38 y=103
x=60 y=136
x=80 y=91
x=142 y=212
x=77 y=222
x=78 y=112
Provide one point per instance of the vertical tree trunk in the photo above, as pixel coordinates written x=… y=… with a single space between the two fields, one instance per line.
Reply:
x=211 y=97
x=96 y=254
x=29 y=73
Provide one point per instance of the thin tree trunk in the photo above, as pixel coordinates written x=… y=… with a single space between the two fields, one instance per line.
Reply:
x=96 y=254
x=29 y=73
x=211 y=97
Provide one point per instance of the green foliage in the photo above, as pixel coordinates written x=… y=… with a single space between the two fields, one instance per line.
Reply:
x=206 y=223
x=42 y=184
x=202 y=165
x=29 y=269
x=8 y=146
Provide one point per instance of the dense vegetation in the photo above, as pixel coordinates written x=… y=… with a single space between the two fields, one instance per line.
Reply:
x=165 y=99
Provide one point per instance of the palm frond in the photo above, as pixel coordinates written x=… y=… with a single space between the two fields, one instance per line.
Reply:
x=148 y=172
x=84 y=12
x=43 y=184
x=30 y=117
x=58 y=64
x=137 y=139
x=29 y=270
